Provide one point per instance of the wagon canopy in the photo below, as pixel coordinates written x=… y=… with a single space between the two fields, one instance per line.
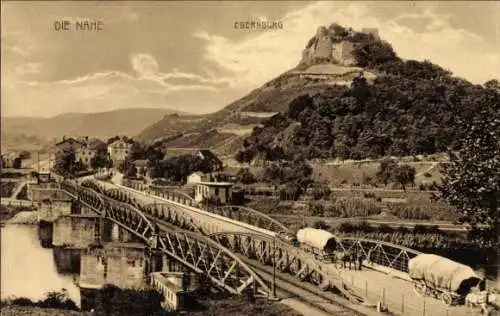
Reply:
x=316 y=238
x=442 y=273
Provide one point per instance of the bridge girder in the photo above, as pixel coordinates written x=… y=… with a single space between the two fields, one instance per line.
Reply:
x=251 y=217
x=193 y=250
x=288 y=258
x=380 y=252
x=240 y=213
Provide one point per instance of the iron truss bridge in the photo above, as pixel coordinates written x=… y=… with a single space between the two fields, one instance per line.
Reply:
x=200 y=253
x=221 y=255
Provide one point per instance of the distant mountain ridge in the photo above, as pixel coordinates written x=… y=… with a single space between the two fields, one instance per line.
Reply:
x=127 y=122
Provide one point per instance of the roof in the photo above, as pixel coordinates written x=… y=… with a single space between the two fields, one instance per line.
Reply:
x=216 y=184
x=69 y=139
x=197 y=173
x=317 y=238
x=120 y=141
x=166 y=279
x=441 y=272
x=209 y=155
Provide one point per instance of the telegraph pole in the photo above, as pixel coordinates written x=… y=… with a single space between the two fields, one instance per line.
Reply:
x=273 y=285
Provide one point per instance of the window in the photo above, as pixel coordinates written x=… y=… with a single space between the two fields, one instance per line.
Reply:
x=216 y=191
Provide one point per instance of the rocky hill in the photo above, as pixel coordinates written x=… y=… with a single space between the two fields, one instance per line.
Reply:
x=314 y=74
x=350 y=96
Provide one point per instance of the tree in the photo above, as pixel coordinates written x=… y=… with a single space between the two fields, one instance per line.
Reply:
x=65 y=161
x=386 y=170
x=98 y=161
x=24 y=154
x=471 y=181
x=320 y=191
x=298 y=105
x=111 y=300
x=245 y=176
x=403 y=175
x=130 y=170
x=245 y=156
x=112 y=139
x=17 y=164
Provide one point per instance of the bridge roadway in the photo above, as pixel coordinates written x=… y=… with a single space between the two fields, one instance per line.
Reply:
x=371 y=285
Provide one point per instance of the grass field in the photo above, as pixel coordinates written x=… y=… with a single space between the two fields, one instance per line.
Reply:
x=362 y=173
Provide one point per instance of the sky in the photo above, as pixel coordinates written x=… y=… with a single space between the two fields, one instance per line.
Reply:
x=188 y=56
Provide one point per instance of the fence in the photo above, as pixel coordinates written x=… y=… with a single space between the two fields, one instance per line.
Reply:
x=399 y=298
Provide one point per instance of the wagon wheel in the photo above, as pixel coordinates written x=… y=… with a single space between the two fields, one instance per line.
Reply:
x=447 y=298
x=282 y=267
x=421 y=288
x=302 y=276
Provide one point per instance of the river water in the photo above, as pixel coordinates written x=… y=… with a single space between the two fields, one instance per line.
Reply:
x=27 y=269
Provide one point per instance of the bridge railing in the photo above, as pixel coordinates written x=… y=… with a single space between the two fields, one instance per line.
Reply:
x=403 y=304
x=382 y=253
x=238 y=213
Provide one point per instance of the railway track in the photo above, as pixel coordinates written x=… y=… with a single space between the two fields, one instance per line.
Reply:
x=289 y=287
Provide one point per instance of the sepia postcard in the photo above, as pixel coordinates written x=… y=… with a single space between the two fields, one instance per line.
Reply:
x=250 y=158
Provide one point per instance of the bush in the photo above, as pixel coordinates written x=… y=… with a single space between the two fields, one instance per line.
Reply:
x=111 y=300
x=59 y=300
x=321 y=191
x=23 y=301
x=321 y=225
x=54 y=299
x=316 y=209
x=346 y=227
x=244 y=176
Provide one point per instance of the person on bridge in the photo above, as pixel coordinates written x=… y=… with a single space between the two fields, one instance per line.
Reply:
x=359 y=259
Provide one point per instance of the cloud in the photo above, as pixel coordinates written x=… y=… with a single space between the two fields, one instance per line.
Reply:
x=259 y=58
x=145 y=87
x=29 y=68
x=145 y=65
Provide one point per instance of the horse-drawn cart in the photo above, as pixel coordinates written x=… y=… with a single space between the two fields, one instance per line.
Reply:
x=442 y=278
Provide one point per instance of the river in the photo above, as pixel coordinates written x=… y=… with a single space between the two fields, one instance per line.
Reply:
x=27 y=269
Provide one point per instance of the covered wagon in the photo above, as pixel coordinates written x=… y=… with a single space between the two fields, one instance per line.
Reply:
x=441 y=277
x=317 y=241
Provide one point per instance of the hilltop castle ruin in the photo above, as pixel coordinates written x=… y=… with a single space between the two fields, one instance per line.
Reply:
x=331 y=46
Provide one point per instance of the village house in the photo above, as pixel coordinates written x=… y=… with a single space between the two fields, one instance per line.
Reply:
x=84 y=155
x=8 y=159
x=68 y=144
x=141 y=165
x=197 y=177
x=213 y=191
x=119 y=149
x=79 y=146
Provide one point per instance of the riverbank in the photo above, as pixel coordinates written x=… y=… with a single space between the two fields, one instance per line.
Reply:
x=12 y=310
x=22 y=217
x=17 y=215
